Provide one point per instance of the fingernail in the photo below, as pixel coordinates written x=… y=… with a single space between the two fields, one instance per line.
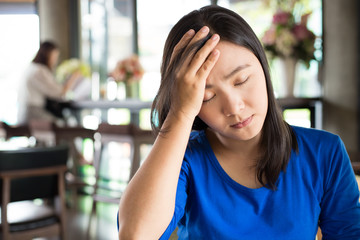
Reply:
x=190 y=32
x=215 y=37
x=204 y=29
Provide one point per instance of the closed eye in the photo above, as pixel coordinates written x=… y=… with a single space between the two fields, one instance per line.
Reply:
x=208 y=100
x=241 y=82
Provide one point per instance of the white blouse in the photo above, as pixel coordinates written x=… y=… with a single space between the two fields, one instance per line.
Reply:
x=39 y=84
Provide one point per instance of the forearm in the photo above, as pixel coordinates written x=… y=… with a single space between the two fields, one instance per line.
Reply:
x=147 y=205
x=74 y=77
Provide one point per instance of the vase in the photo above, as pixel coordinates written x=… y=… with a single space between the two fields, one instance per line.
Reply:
x=120 y=91
x=132 y=89
x=288 y=75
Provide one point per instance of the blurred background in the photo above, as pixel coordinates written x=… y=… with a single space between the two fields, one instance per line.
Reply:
x=101 y=34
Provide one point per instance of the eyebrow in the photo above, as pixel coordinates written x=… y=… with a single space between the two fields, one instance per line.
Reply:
x=236 y=70
x=232 y=73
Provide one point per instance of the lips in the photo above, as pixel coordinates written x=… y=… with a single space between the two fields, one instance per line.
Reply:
x=242 y=124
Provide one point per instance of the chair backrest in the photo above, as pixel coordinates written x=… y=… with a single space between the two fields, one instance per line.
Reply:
x=32 y=187
x=15 y=131
x=28 y=174
x=129 y=133
x=70 y=133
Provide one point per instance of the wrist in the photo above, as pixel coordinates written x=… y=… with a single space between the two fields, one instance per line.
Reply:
x=182 y=116
x=177 y=120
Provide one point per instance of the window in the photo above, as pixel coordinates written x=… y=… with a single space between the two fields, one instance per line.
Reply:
x=154 y=24
x=108 y=35
x=18 y=44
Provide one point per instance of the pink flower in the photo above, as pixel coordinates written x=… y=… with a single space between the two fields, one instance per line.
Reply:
x=301 y=32
x=269 y=36
x=288 y=38
x=128 y=70
x=285 y=43
x=281 y=18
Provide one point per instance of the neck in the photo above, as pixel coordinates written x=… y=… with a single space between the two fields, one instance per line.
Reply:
x=248 y=150
x=237 y=158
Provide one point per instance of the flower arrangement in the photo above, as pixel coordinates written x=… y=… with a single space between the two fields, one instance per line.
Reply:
x=78 y=73
x=287 y=38
x=128 y=70
x=70 y=66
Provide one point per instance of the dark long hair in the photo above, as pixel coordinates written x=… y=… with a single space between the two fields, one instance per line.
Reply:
x=278 y=138
x=43 y=54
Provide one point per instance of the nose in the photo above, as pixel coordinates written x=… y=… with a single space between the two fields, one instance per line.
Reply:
x=232 y=104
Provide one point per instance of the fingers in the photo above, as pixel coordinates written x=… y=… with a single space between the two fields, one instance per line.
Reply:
x=184 y=41
x=205 y=58
x=194 y=61
x=189 y=38
x=209 y=63
x=202 y=33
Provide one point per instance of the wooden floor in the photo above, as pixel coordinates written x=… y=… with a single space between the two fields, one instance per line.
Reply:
x=103 y=226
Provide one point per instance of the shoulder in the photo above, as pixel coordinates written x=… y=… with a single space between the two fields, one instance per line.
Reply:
x=320 y=147
x=35 y=69
x=312 y=132
x=315 y=137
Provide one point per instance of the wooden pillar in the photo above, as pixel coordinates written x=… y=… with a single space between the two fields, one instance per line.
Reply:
x=58 y=23
x=341 y=79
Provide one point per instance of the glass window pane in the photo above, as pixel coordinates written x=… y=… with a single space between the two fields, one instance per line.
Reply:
x=106 y=33
x=106 y=38
x=120 y=30
x=19 y=42
x=298 y=117
x=154 y=24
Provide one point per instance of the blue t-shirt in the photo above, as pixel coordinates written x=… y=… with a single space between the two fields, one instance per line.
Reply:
x=317 y=188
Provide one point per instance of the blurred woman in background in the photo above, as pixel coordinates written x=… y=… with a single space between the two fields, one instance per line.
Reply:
x=40 y=84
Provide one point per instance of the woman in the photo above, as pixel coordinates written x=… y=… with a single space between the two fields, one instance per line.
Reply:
x=244 y=173
x=40 y=84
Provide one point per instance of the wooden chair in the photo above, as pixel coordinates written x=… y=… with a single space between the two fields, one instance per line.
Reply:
x=75 y=180
x=105 y=134
x=28 y=174
x=15 y=130
x=42 y=131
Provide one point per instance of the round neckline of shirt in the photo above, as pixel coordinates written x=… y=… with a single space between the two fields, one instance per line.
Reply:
x=223 y=173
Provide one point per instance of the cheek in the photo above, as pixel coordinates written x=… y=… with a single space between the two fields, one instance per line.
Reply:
x=206 y=114
x=262 y=97
x=203 y=113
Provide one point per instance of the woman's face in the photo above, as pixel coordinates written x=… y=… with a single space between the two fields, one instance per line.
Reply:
x=235 y=99
x=53 y=58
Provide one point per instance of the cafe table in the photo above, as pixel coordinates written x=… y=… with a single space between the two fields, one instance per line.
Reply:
x=133 y=105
